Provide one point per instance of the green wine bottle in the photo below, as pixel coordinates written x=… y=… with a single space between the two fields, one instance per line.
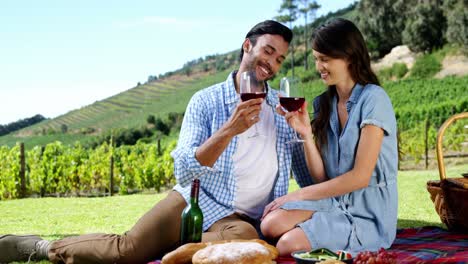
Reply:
x=192 y=218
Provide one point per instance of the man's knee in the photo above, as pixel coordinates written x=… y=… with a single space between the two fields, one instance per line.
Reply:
x=240 y=230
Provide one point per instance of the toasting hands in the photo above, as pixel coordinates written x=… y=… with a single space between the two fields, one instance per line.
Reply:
x=298 y=120
x=245 y=115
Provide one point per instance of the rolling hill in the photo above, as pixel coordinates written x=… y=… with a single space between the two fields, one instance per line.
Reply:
x=415 y=98
x=128 y=109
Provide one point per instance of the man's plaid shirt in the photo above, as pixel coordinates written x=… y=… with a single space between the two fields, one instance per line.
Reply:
x=206 y=112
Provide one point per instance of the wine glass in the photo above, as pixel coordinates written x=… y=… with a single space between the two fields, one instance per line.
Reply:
x=291 y=99
x=251 y=88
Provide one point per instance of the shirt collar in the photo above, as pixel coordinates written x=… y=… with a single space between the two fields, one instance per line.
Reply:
x=353 y=98
x=355 y=93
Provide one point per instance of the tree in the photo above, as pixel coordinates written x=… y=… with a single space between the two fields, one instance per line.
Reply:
x=221 y=65
x=290 y=8
x=11 y=127
x=64 y=128
x=162 y=129
x=382 y=22
x=205 y=67
x=187 y=70
x=425 y=27
x=456 y=12
x=151 y=119
x=161 y=126
x=152 y=78
x=306 y=8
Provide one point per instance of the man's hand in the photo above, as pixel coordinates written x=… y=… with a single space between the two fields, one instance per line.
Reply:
x=245 y=115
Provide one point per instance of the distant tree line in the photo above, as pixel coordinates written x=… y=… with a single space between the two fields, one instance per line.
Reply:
x=11 y=127
x=214 y=62
x=155 y=129
x=423 y=25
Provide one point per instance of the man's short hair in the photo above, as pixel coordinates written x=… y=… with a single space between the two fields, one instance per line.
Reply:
x=267 y=27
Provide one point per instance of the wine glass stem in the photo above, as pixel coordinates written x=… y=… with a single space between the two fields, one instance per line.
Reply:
x=295 y=136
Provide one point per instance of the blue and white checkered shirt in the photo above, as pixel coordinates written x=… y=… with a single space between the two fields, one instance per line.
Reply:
x=206 y=112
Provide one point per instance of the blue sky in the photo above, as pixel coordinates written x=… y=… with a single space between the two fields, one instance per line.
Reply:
x=56 y=56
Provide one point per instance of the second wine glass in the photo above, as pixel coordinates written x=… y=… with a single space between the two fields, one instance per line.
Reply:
x=251 y=88
x=291 y=98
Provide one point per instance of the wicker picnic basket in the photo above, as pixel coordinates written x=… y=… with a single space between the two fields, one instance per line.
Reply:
x=450 y=195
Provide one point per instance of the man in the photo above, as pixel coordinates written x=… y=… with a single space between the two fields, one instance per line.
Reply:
x=239 y=175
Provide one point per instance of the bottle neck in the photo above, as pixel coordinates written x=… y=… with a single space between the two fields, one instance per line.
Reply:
x=195 y=191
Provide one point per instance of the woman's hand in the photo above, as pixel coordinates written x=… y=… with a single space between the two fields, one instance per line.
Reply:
x=278 y=202
x=298 y=120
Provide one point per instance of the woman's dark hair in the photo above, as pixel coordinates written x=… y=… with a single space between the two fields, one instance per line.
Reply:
x=267 y=27
x=341 y=39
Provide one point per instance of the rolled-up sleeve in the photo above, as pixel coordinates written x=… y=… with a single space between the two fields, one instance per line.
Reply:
x=194 y=131
x=378 y=111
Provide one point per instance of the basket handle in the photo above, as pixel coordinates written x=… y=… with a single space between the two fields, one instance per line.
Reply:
x=440 y=136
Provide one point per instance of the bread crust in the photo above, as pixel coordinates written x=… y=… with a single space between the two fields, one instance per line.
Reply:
x=185 y=253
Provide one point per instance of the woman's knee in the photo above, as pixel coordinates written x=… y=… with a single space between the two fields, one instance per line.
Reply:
x=272 y=225
x=267 y=227
x=292 y=241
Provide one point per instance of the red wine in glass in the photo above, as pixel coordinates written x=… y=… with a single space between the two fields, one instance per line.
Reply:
x=251 y=88
x=249 y=96
x=292 y=103
x=291 y=99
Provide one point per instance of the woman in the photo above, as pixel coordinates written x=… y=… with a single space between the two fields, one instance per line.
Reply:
x=351 y=153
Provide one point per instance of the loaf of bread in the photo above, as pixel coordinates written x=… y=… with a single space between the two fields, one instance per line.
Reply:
x=233 y=252
x=253 y=251
x=183 y=254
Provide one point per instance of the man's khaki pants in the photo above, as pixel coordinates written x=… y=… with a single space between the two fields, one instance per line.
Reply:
x=156 y=233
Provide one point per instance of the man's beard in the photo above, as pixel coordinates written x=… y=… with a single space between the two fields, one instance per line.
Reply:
x=252 y=67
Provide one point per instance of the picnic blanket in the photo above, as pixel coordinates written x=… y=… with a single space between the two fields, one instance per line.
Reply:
x=429 y=245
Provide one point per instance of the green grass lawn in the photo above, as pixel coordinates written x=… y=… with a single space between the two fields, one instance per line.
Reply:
x=54 y=218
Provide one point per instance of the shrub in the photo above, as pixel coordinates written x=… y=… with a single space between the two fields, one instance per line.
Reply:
x=303 y=75
x=64 y=128
x=87 y=130
x=59 y=169
x=425 y=66
x=400 y=69
x=397 y=71
x=151 y=119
